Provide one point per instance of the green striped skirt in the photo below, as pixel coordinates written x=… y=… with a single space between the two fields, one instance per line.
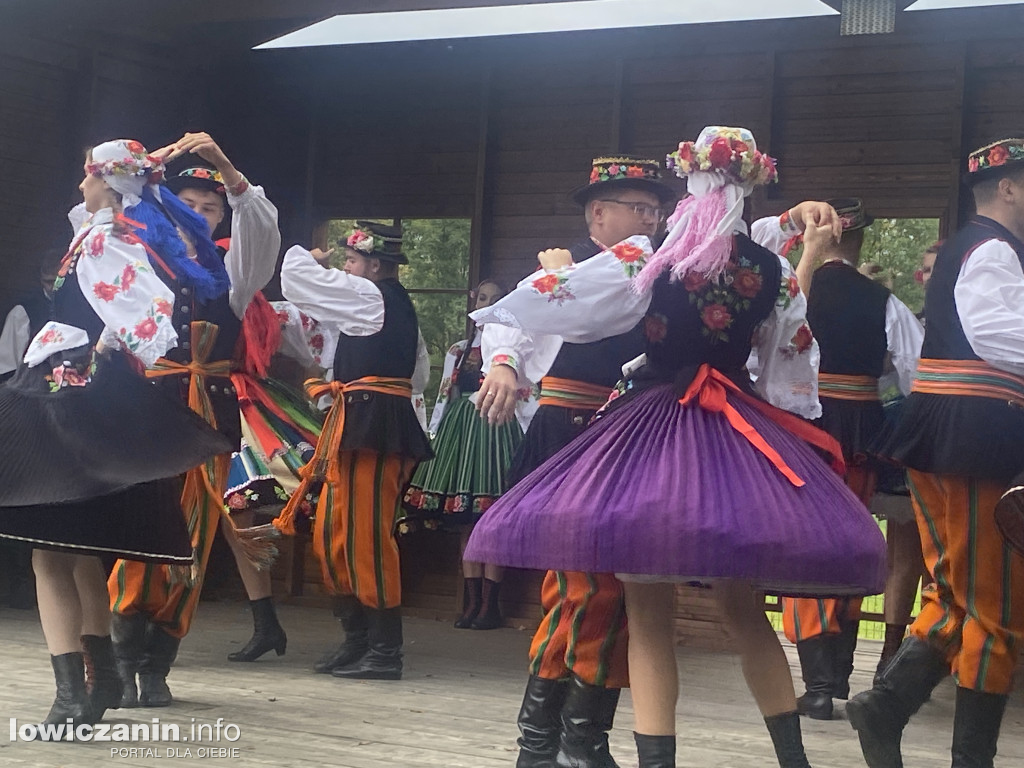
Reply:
x=467 y=473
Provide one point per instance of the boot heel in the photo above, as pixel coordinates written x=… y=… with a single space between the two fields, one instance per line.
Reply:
x=280 y=648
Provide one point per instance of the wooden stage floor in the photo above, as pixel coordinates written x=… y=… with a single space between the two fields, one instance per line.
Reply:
x=456 y=706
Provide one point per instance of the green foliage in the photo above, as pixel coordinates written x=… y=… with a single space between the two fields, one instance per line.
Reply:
x=438 y=251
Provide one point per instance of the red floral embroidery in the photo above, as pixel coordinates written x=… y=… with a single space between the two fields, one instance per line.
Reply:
x=793 y=287
x=627 y=252
x=146 y=329
x=546 y=284
x=716 y=317
x=803 y=338
x=694 y=281
x=746 y=283
x=128 y=276
x=105 y=291
x=135 y=148
x=164 y=307
x=282 y=316
x=49 y=337
x=317 y=341
x=237 y=501
x=655 y=328
x=96 y=243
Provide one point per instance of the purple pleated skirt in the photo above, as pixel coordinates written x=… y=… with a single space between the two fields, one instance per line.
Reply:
x=660 y=489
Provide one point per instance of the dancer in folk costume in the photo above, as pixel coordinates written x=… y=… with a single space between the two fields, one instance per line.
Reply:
x=859 y=325
x=370 y=443
x=98 y=448
x=578 y=656
x=690 y=474
x=152 y=609
x=962 y=439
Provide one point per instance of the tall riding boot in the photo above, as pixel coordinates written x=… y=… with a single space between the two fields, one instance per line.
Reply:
x=817 y=665
x=845 y=645
x=472 y=597
x=789 y=744
x=384 y=659
x=540 y=722
x=72 y=701
x=655 y=751
x=128 y=634
x=880 y=715
x=976 y=728
x=267 y=633
x=490 y=611
x=160 y=652
x=587 y=716
x=894 y=634
x=102 y=682
x=352 y=615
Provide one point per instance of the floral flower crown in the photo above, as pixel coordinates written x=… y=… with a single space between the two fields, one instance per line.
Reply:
x=360 y=241
x=729 y=151
x=137 y=163
x=615 y=168
x=996 y=154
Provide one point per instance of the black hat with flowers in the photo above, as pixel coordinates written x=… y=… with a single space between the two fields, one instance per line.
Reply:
x=851 y=213
x=197 y=177
x=377 y=241
x=624 y=172
x=995 y=160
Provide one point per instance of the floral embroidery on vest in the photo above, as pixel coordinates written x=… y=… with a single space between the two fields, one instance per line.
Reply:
x=720 y=301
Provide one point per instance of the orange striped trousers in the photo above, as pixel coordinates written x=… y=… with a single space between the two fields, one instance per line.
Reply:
x=803 y=617
x=353 y=534
x=974 y=609
x=584 y=630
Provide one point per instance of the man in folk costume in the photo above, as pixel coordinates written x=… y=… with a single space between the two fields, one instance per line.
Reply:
x=152 y=605
x=578 y=662
x=962 y=439
x=858 y=324
x=370 y=444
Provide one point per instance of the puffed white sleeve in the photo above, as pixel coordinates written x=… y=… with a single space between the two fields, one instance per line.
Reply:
x=446 y=388
x=904 y=335
x=351 y=304
x=420 y=380
x=304 y=339
x=14 y=339
x=121 y=288
x=989 y=294
x=255 y=243
x=580 y=303
x=785 y=355
x=774 y=232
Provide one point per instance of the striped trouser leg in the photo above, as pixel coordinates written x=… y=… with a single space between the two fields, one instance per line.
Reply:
x=353 y=535
x=974 y=609
x=149 y=588
x=584 y=629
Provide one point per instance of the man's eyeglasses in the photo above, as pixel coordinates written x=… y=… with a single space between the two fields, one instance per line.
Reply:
x=642 y=210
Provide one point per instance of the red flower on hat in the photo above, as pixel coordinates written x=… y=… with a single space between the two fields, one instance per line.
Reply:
x=135 y=148
x=686 y=151
x=739 y=147
x=634 y=171
x=973 y=164
x=595 y=176
x=627 y=252
x=998 y=155
x=105 y=291
x=614 y=169
x=746 y=282
x=716 y=317
x=546 y=284
x=803 y=338
x=146 y=329
x=720 y=153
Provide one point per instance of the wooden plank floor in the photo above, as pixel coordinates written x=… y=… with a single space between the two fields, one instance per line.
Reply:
x=456 y=706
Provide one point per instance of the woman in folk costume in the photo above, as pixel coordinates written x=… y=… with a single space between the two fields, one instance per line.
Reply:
x=80 y=404
x=690 y=474
x=152 y=609
x=469 y=471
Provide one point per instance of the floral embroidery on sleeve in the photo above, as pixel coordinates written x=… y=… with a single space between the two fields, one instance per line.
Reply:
x=802 y=339
x=555 y=285
x=508 y=360
x=632 y=257
x=789 y=289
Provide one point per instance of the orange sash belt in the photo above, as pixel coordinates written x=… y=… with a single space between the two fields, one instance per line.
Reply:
x=847 y=387
x=971 y=378
x=712 y=390
x=204 y=335
x=569 y=393
x=324 y=464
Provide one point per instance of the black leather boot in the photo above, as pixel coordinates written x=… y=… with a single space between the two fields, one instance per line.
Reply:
x=540 y=722
x=490 y=611
x=72 y=701
x=842 y=665
x=102 y=681
x=789 y=744
x=160 y=651
x=655 y=751
x=587 y=716
x=894 y=634
x=472 y=598
x=817 y=666
x=880 y=715
x=267 y=633
x=352 y=615
x=384 y=659
x=976 y=728
x=128 y=634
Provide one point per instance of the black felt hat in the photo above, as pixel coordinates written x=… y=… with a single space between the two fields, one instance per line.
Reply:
x=995 y=160
x=377 y=241
x=851 y=213
x=609 y=173
x=197 y=177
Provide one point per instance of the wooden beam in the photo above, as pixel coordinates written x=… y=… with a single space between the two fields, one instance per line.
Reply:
x=951 y=220
x=480 y=230
x=615 y=142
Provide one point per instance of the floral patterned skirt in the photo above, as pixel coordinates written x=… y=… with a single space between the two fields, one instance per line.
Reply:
x=467 y=473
